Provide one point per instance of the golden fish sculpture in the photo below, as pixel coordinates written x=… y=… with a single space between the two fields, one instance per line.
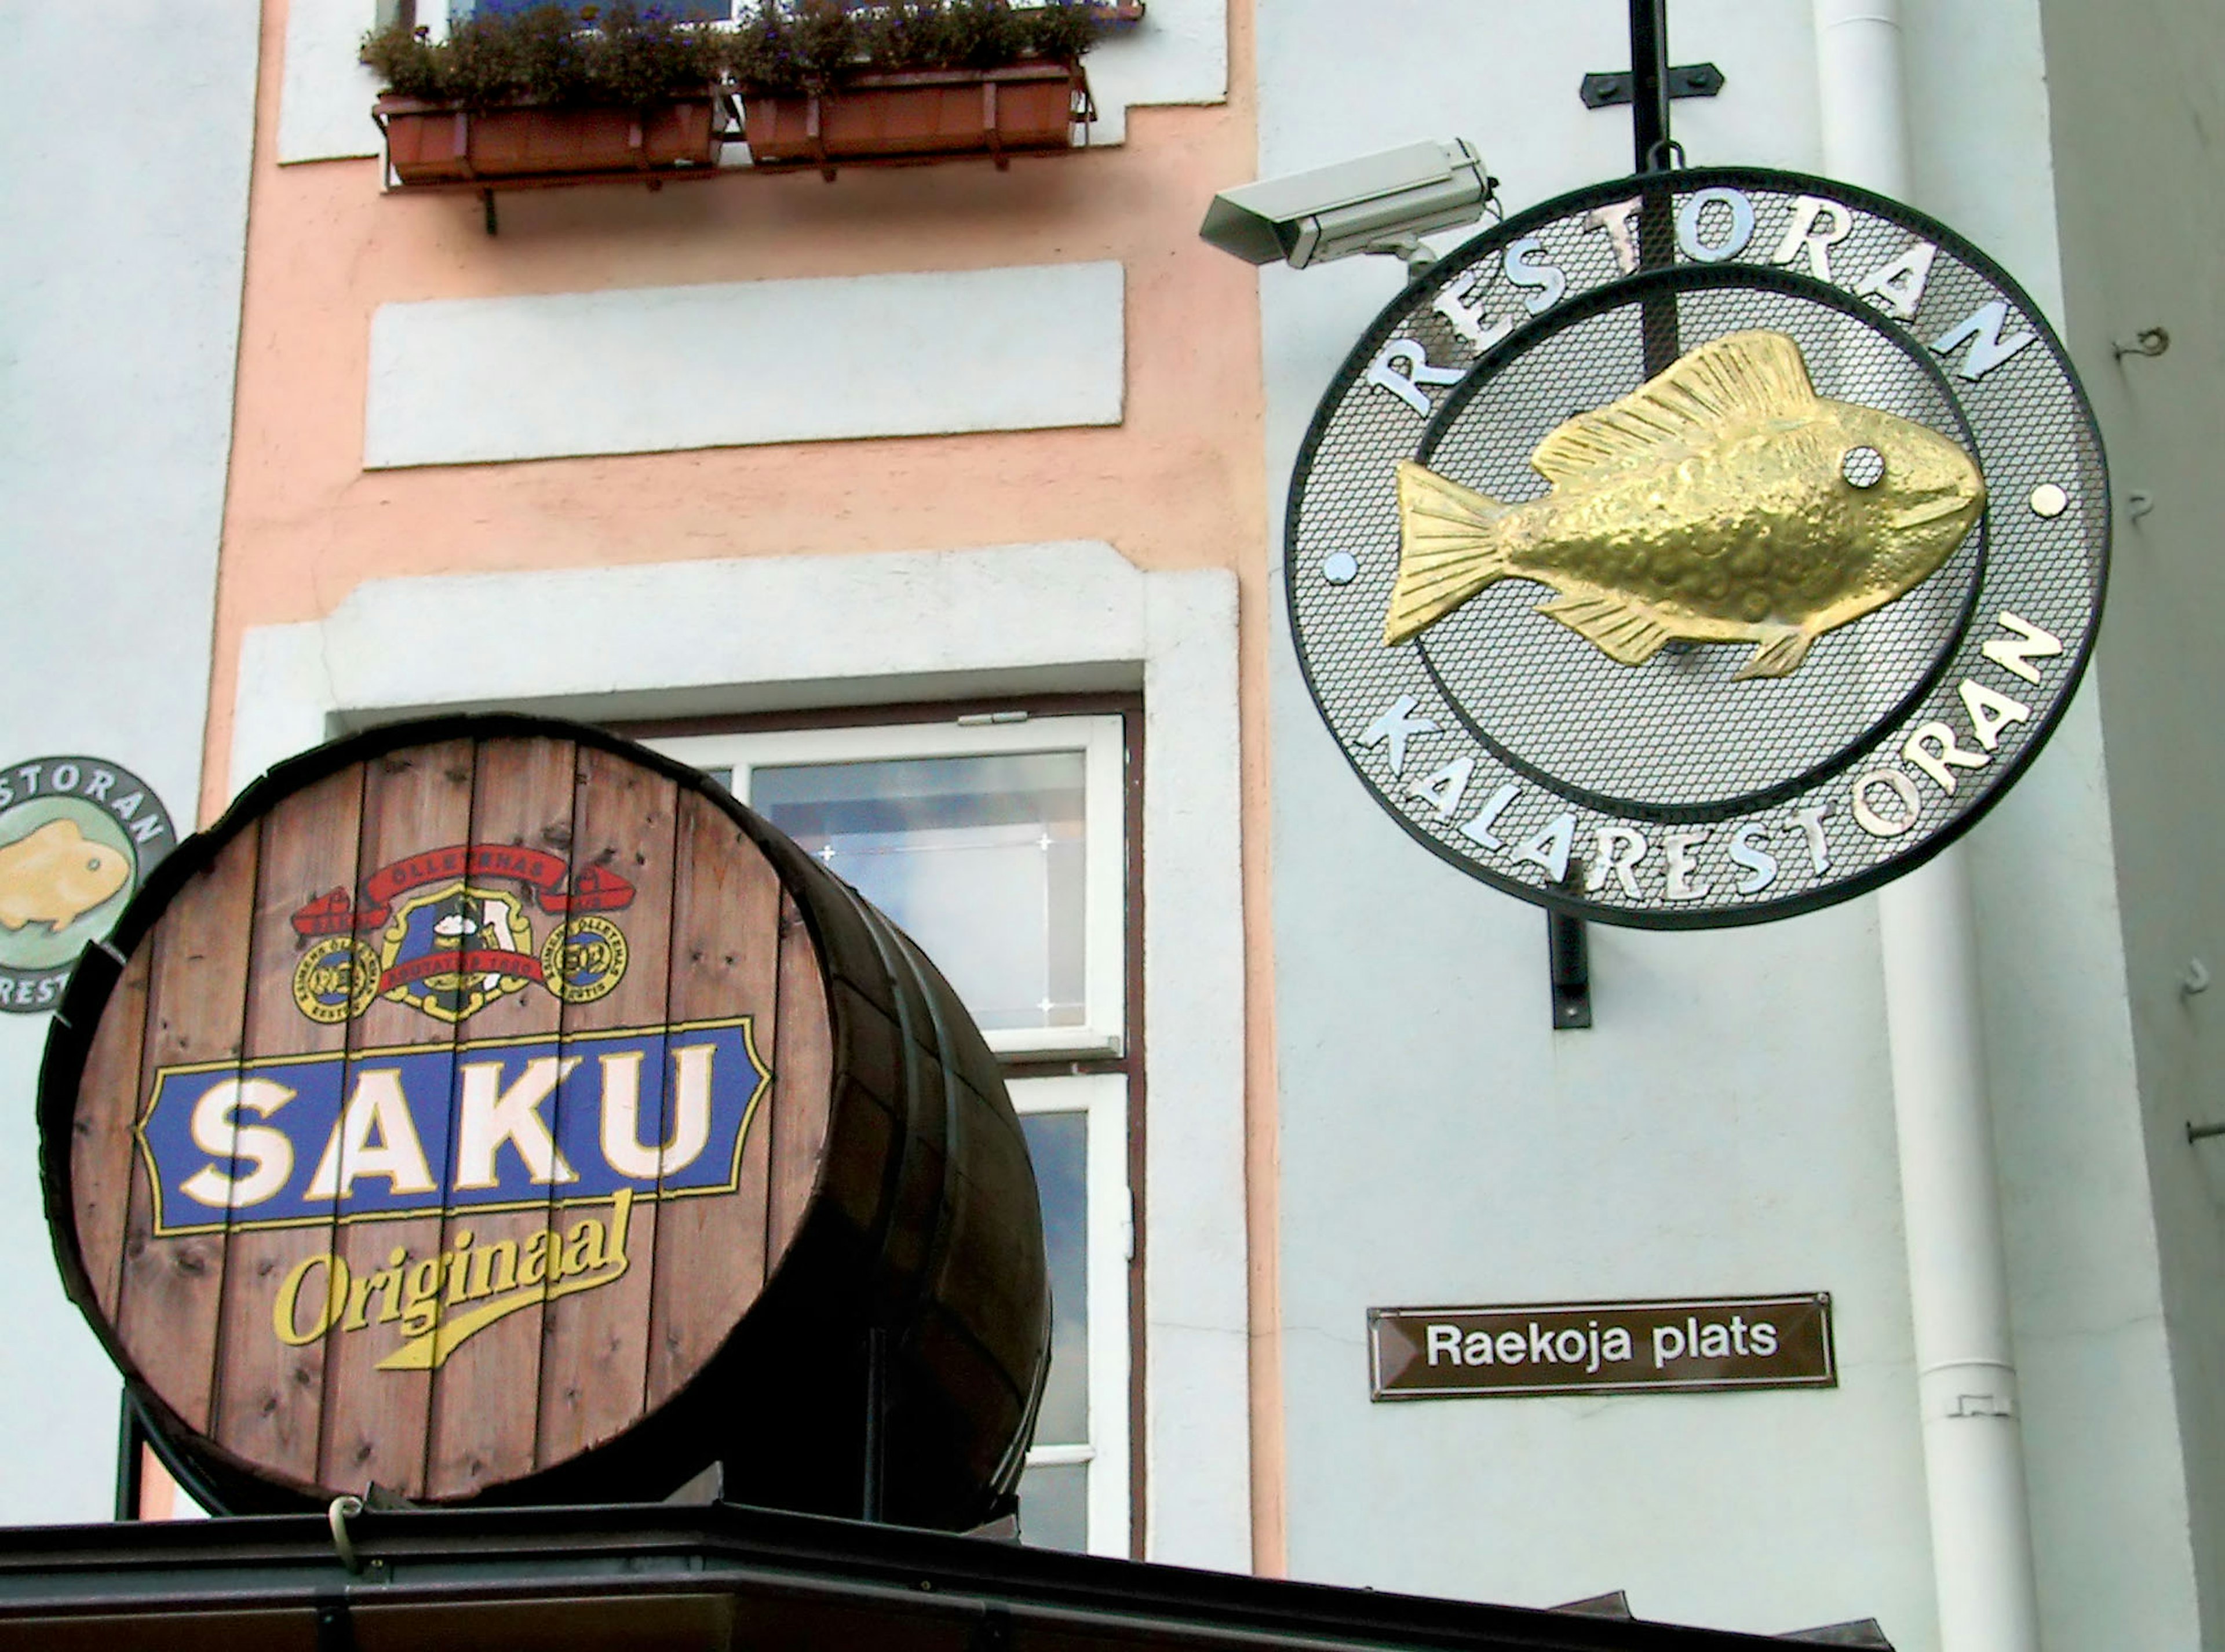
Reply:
x=55 y=875
x=1722 y=501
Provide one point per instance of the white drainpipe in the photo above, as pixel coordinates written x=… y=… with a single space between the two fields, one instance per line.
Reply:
x=1958 y=1282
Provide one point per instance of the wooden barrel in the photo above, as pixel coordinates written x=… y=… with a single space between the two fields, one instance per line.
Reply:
x=492 y=1111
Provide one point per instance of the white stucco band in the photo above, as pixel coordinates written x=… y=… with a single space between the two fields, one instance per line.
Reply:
x=870 y=630
x=325 y=95
x=1179 y=55
x=651 y=369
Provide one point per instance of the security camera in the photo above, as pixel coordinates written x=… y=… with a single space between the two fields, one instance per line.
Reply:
x=1378 y=203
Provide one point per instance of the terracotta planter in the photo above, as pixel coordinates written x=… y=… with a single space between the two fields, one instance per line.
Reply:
x=919 y=114
x=434 y=143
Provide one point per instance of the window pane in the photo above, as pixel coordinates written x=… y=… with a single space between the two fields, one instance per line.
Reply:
x=978 y=859
x=1055 y=1506
x=680 y=10
x=1058 y=1143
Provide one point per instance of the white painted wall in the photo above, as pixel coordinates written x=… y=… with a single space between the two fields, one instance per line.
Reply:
x=120 y=273
x=1726 y=1126
x=2135 y=134
x=324 y=94
x=877 y=630
x=2103 y=1449
x=1178 y=54
x=653 y=369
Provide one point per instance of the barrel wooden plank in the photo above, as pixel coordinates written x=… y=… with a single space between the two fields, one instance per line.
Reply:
x=726 y=952
x=416 y=801
x=102 y=1150
x=172 y=1288
x=483 y=1420
x=804 y=1060
x=594 y=1350
x=269 y=1393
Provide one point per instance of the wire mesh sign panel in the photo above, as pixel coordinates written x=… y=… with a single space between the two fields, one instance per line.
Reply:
x=1699 y=549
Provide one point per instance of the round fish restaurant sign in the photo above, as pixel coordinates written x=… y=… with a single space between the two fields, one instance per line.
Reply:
x=1699 y=549
x=78 y=835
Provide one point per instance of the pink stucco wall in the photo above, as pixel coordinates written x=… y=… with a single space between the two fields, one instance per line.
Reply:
x=1180 y=484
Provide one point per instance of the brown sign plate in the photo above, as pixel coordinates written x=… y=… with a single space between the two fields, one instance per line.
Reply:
x=1679 y=1345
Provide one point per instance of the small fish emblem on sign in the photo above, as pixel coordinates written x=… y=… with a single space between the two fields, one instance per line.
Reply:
x=1723 y=500
x=77 y=836
x=55 y=875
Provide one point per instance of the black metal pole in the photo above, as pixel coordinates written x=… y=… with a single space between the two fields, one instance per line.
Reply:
x=876 y=1402
x=1567 y=947
x=1649 y=128
x=130 y=1460
x=1649 y=83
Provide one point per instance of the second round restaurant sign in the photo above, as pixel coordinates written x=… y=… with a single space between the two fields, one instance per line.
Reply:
x=470 y=1092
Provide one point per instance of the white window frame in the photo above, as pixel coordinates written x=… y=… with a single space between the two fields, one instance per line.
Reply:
x=1108 y=1247
x=1099 y=737
x=1109 y=1215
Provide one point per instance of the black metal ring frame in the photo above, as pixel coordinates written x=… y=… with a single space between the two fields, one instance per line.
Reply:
x=1464 y=260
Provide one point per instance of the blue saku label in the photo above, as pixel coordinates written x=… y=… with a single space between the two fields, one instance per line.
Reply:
x=508 y=1123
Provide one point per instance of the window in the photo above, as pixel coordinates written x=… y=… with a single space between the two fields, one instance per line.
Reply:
x=680 y=10
x=941 y=824
x=1000 y=843
x=1075 y=1493
x=438 y=18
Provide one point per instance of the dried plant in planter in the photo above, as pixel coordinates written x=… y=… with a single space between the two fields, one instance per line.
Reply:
x=617 y=54
x=551 y=93
x=553 y=57
x=796 y=46
x=826 y=82
x=611 y=89
x=1063 y=29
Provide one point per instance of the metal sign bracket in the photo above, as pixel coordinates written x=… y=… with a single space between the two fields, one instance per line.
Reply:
x=1611 y=89
x=1569 y=947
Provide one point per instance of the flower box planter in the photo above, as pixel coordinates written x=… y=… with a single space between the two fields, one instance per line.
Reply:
x=920 y=114
x=440 y=144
